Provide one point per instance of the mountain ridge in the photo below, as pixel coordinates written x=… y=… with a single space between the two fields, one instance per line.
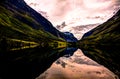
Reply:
x=102 y=44
x=22 y=25
x=107 y=30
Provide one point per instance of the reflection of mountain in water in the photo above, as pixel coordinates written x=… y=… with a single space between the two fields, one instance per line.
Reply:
x=30 y=63
x=105 y=56
x=69 y=51
x=103 y=42
x=76 y=66
x=27 y=63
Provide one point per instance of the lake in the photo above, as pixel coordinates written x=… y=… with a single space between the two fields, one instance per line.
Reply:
x=75 y=65
x=47 y=63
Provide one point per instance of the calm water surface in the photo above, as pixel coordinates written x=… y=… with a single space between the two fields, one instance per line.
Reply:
x=45 y=63
x=75 y=65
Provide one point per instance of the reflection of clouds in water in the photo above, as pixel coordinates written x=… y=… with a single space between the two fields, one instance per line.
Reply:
x=76 y=67
x=85 y=60
x=62 y=63
x=78 y=58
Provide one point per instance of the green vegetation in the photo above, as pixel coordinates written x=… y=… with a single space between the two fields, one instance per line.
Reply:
x=21 y=34
x=103 y=42
x=58 y=44
x=106 y=34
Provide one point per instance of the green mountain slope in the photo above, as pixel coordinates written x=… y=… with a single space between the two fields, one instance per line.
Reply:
x=107 y=33
x=103 y=42
x=16 y=25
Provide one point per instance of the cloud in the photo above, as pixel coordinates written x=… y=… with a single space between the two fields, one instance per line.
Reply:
x=70 y=10
x=61 y=7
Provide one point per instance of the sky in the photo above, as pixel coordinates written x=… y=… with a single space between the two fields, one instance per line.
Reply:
x=76 y=12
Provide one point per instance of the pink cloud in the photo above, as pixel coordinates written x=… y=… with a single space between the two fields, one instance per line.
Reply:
x=65 y=10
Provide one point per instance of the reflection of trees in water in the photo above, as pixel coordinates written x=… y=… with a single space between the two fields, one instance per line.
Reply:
x=105 y=55
x=55 y=44
x=32 y=61
x=3 y=44
x=27 y=63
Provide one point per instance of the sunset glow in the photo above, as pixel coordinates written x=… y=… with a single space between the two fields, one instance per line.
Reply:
x=84 y=11
x=76 y=12
x=72 y=68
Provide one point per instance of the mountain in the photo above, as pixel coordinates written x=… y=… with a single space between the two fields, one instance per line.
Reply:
x=26 y=38
x=21 y=24
x=77 y=30
x=105 y=34
x=70 y=37
x=27 y=63
x=103 y=42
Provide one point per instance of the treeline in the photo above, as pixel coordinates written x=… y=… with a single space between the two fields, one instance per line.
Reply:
x=8 y=44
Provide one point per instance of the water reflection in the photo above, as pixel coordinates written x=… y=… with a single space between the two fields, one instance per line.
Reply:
x=47 y=63
x=107 y=56
x=76 y=66
x=27 y=63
